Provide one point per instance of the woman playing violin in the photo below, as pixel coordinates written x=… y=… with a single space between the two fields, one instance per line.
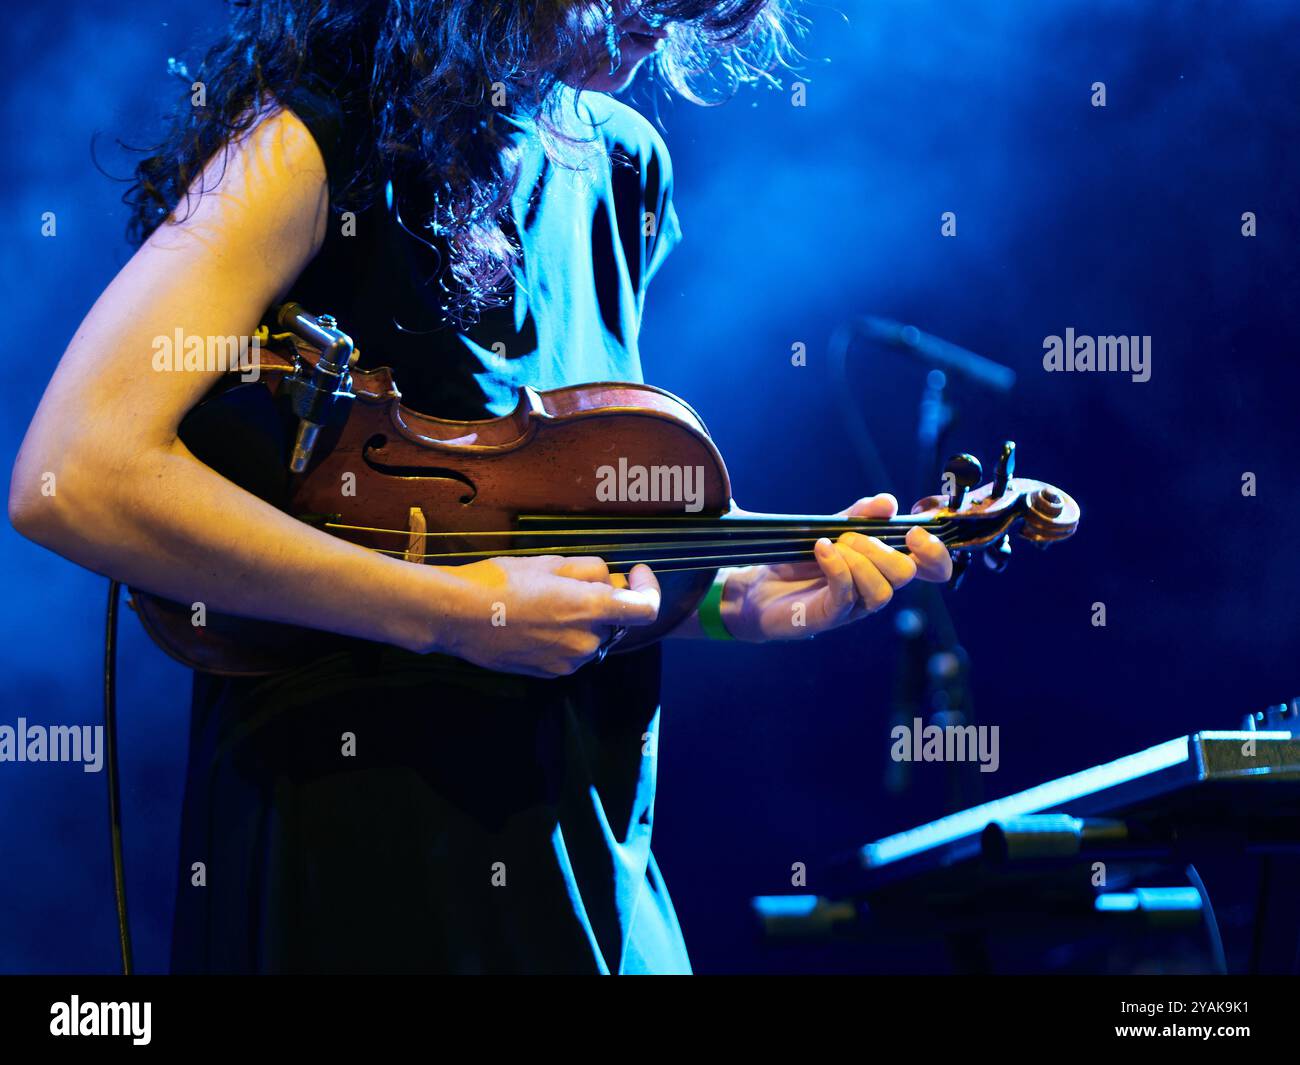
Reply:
x=457 y=184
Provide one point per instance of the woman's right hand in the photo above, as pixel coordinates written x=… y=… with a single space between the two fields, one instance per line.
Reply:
x=544 y=616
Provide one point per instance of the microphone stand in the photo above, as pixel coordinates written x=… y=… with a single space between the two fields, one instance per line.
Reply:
x=931 y=680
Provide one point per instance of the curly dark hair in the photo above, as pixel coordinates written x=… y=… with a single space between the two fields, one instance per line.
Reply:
x=422 y=76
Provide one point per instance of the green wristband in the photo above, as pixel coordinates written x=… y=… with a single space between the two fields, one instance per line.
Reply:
x=710 y=610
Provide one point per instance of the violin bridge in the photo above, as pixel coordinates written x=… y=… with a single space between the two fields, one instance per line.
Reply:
x=415 y=540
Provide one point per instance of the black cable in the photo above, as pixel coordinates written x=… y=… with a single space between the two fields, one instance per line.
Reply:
x=114 y=796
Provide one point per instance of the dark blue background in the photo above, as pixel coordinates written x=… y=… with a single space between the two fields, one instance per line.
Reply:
x=1122 y=220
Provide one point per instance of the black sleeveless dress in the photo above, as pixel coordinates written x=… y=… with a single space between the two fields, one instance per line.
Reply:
x=380 y=811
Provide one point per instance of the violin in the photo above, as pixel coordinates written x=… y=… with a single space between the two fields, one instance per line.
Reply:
x=627 y=472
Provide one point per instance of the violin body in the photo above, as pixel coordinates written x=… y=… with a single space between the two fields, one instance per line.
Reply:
x=464 y=476
x=626 y=472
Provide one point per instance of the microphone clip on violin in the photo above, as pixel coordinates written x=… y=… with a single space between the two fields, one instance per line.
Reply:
x=315 y=390
x=540 y=480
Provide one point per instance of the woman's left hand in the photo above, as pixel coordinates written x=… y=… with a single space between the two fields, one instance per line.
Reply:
x=849 y=579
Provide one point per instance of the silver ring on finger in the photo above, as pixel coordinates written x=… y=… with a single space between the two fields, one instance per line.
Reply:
x=615 y=635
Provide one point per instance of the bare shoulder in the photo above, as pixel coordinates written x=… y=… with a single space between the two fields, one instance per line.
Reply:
x=266 y=188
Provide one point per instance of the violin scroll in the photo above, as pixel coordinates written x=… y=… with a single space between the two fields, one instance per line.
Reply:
x=983 y=519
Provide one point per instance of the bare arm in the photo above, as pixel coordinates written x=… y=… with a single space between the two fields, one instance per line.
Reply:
x=129 y=500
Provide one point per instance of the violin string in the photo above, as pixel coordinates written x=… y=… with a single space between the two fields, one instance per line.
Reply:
x=774 y=550
x=868 y=528
x=672 y=565
x=684 y=565
x=610 y=549
x=675 y=565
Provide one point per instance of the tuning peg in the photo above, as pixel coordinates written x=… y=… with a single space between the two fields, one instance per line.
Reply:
x=960 y=563
x=1006 y=469
x=962 y=472
x=996 y=556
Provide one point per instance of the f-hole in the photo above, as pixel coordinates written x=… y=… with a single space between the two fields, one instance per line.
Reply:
x=427 y=473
